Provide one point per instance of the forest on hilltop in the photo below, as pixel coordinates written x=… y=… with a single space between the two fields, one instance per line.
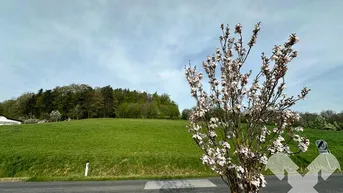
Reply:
x=80 y=101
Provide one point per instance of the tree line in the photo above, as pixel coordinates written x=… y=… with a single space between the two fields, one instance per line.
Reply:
x=80 y=101
x=325 y=120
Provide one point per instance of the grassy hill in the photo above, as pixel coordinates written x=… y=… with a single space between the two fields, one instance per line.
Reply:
x=115 y=148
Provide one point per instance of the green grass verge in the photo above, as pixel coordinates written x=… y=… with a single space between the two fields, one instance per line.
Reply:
x=116 y=149
x=105 y=178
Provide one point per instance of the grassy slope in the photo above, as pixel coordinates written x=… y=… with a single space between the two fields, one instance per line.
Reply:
x=116 y=148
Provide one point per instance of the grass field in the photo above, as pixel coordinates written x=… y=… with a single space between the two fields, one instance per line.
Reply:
x=116 y=149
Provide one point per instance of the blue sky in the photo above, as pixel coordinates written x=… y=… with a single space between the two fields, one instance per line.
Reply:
x=144 y=44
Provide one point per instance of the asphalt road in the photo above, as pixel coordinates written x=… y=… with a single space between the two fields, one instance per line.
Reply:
x=333 y=184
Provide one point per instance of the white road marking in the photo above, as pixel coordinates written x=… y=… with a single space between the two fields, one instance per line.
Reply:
x=173 y=184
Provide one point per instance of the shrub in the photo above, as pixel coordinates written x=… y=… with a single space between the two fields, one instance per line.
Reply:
x=235 y=151
x=31 y=121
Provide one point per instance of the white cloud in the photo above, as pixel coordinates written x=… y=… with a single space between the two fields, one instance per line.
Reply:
x=144 y=45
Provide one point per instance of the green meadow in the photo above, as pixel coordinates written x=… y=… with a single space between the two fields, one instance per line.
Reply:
x=116 y=149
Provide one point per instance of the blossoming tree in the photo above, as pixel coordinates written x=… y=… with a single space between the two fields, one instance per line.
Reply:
x=55 y=115
x=239 y=152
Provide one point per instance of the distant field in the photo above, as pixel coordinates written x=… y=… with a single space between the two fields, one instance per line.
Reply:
x=115 y=148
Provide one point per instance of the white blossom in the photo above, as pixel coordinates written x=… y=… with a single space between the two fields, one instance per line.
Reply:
x=213 y=134
x=303 y=144
x=222 y=162
x=226 y=145
x=259 y=181
x=263 y=159
x=256 y=182
x=197 y=136
x=278 y=131
x=298 y=129
x=287 y=149
x=264 y=133
x=214 y=119
x=240 y=169
x=262 y=180
x=212 y=126
x=196 y=127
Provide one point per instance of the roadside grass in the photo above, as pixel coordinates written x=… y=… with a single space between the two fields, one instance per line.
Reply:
x=116 y=149
x=108 y=178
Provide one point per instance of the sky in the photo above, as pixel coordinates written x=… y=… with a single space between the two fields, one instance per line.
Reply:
x=145 y=44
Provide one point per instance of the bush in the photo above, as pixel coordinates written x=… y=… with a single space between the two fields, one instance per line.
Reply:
x=31 y=121
x=185 y=114
x=318 y=123
x=338 y=126
x=55 y=115
x=329 y=126
x=216 y=123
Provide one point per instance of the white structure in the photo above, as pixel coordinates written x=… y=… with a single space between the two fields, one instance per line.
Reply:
x=86 y=170
x=5 y=121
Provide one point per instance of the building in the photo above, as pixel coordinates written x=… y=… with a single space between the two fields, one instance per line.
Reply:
x=5 y=121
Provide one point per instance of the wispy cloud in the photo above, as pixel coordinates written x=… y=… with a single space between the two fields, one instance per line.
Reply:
x=145 y=44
